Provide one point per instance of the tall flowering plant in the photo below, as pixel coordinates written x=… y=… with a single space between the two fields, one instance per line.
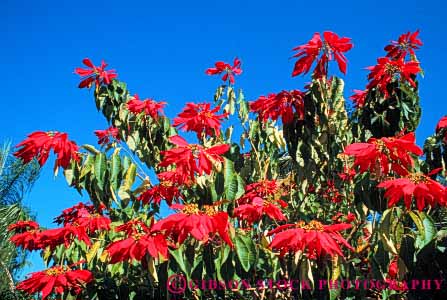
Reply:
x=292 y=192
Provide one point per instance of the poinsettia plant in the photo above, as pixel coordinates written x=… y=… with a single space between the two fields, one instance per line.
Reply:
x=302 y=188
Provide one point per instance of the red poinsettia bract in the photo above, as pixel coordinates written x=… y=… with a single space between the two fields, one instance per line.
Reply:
x=26 y=235
x=21 y=226
x=94 y=74
x=407 y=43
x=253 y=212
x=333 y=47
x=377 y=155
x=284 y=104
x=107 y=135
x=192 y=158
x=229 y=70
x=262 y=189
x=58 y=280
x=85 y=216
x=39 y=144
x=166 y=190
x=201 y=224
x=359 y=98
x=140 y=240
x=150 y=107
x=421 y=187
x=314 y=239
x=442 y=124
x=388 y=70
x=200 y=118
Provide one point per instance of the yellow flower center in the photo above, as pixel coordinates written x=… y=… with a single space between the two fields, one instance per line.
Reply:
x=55 y=271
x=209 y=210
x=417 y=178
x=391 y=69
x=190 y=209
x=312 y=225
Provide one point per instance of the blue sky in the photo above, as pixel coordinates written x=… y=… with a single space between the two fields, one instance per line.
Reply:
x=161 y=49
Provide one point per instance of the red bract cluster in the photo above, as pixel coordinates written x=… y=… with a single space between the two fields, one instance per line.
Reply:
x=421 y=187
x=379 y=156
x=94 y=74
x=388 y=70
x=406 y=43
x=191 y=158
x=332 y=47
x=262 y=189
x=228 y=70
x=201 y=224
x=440 y=127
x=359 y=98
x=22 y=226
x=139 y=241
x=86 y=217
x=166 y=190
x=148 y=106
x=392 y=67
x=78 y=221
x=107 y=135
x=314 y=239
x=58 y=280
x=254 y=211
x=285 y=104
x=39 y=144
x=201 y=119
x=72 y=214
x=331 y=192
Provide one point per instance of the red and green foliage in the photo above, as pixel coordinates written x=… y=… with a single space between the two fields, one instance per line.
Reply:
x=291 y=192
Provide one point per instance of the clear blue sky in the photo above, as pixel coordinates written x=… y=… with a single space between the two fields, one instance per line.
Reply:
x=161 y=49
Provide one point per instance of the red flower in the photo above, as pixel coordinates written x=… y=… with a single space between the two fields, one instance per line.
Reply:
x=230 y=71
x=341 y=218
x=94 y=74
x=348 y=174
x=263 y=189
x=283 y=104
x=200 y=224
x=22 y=226
x=359 y=98
x=332 y=47
x=39 y=144
x=200 y=119
x=104 y=136
x=166 y=189
x=315 y=239
x=331 y=192
x=148 y=106
x=387 y=70
x=64 y=235
x=58 y=279
x=377 y=155
x=72 y=214
x=441 y=124
x=253 y=212
x=407 y=43
x=140 y=241
x=393 y=268
x=422 y=188
x=29 y=240
x=185 y=157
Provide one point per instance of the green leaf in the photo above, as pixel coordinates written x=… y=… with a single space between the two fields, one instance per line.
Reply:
x=100 y=169
x=115 y=169
x=129 y=179
x=246 y=251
